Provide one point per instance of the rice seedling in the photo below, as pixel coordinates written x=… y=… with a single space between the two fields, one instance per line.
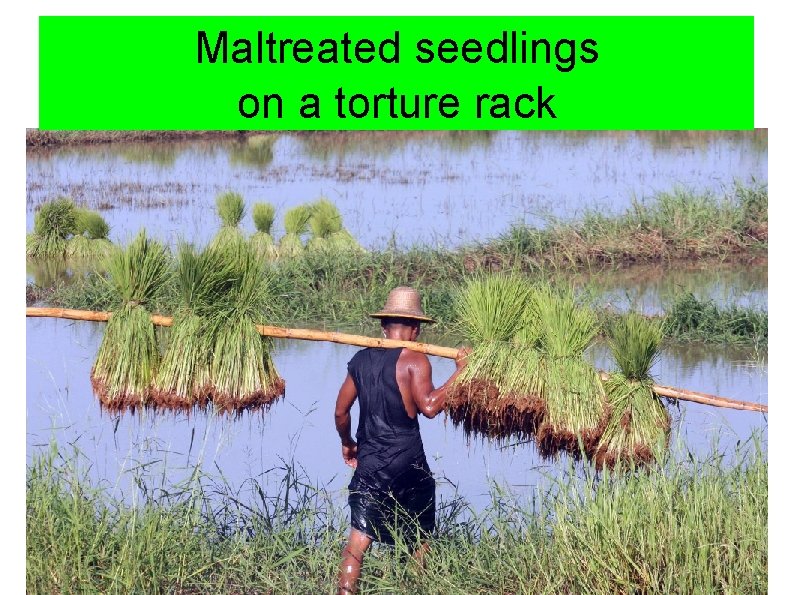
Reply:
x=639 y=423
x=296 y=223
x=262 y=241
x=325 y=219
x=82 y=248
x=576 y=411
x=91 y=224
x=183 y=379
x=328 y=233
x=242 y=374
x=128 y=356
x=230 y=207
x=495 y=394
x=90 y=239
x=53 y=225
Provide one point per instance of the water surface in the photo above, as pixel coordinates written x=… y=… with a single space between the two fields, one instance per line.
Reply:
x=299 y=430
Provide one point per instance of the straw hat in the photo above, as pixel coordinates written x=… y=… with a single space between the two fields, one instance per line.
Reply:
x=403 y=302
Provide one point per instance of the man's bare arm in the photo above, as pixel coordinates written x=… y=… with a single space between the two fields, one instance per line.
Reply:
x=344 y=402
x=430 y=401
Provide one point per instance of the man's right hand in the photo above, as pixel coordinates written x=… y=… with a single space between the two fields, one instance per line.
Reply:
x=461 y=359
x=350 y=454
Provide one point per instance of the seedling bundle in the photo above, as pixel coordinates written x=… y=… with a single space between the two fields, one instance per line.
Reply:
x=528 y=378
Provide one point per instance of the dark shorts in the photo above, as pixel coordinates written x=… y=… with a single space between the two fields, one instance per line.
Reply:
x=406 y=510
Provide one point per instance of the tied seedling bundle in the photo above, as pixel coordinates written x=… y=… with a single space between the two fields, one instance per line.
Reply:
x=639 y=423
x=53 y=225
x=183 y=379
x=242 y=374
x=328 y=233
x=90 y=240
x=498 y=393
x=576 y=411
x=231 y=210
x=128 y=356
x=215 y=352
x=296 y=223
x=62 y=230
x=262 y=241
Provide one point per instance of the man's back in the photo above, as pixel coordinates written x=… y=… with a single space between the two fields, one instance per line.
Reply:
x=392 y=482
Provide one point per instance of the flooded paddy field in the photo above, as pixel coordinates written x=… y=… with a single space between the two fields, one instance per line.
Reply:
x=410 y=190
x=394 y=191
x=398 y=190
x=165 y=449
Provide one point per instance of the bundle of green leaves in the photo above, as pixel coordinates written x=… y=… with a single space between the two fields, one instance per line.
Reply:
x=639 y=423
x=128 y=357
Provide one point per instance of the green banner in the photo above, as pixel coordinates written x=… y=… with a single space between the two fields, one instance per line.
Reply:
x=398 y=73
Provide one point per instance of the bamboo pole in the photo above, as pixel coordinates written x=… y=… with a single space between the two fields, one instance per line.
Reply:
x=361 y=341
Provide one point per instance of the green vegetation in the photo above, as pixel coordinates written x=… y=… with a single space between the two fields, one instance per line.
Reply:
x=338 y=291
x=692 y=319
x=668 y=226
x=327 y=231
x=296 y=225
x=338 y=287
x=639 y=423
x=499 y=392
x=574 y=395
x=684 y=526
x=262 y=241
x=128 y=356
x=63 y=231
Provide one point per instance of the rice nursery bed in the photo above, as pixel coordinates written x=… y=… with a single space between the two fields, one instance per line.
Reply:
x=683 y=526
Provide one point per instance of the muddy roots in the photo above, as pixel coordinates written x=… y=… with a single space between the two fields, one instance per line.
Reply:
x=480 y=408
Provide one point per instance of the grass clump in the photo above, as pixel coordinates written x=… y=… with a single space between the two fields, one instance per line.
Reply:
x=639 y=423
x=262 y=241
x=575 y=400
x=668 y=226
x=128 y=356
x=691 y=319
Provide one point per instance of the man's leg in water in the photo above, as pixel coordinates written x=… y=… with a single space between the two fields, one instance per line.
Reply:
x=352 y=556
x=418 y=554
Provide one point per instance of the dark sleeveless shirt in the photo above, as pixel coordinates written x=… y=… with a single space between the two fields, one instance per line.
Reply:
x=392 y=475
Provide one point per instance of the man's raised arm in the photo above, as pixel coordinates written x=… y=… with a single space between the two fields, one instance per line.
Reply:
x=429 y=401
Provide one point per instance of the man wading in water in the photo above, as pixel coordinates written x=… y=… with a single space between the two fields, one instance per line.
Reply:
x=392 y=487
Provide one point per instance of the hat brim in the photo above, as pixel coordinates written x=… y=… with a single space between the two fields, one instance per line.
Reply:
x=419 y=317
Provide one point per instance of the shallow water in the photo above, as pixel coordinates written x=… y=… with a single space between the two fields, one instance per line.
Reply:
x=162 y=450
x=443 y=188
x=414 y=189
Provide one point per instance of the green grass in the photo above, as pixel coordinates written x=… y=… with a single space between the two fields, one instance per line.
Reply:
x=339 y=290
x=664 y=227
x=686 y=526
x=337 y=287
x=692 y=319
